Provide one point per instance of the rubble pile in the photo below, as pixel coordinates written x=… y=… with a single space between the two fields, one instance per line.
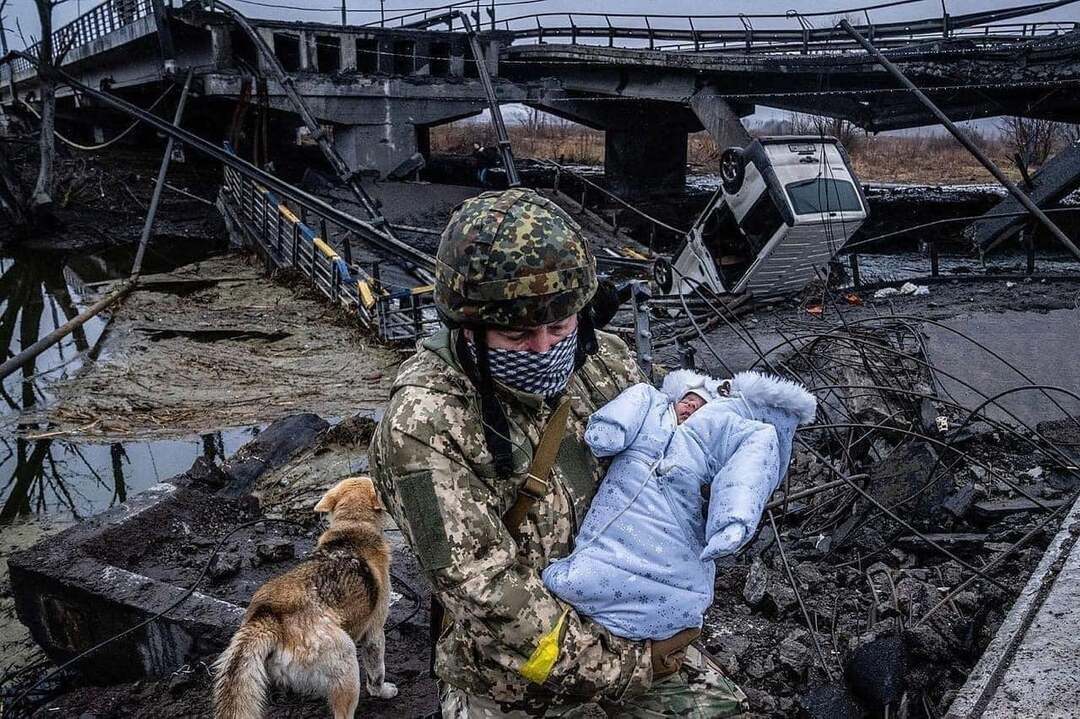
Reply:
x=907 y=526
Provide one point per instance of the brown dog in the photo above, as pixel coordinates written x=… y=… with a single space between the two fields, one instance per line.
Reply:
x=301 y=628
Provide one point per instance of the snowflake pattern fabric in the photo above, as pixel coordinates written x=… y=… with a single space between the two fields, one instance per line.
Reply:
x=642 y=565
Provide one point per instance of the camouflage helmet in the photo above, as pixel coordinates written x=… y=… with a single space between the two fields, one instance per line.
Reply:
x=512 y=259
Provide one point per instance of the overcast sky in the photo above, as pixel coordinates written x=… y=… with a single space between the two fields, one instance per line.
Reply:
x=367 y=10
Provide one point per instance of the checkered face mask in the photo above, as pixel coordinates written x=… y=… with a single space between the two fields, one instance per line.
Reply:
x=543 y=373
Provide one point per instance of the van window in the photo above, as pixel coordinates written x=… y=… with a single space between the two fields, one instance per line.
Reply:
x=761 y=222
x=813 y=197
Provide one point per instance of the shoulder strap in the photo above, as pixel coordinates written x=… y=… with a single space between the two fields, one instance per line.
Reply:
x=535 y=485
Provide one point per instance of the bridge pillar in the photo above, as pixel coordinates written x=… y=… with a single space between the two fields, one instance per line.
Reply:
x=376 y=147
x=644 y=159
x=644 y=140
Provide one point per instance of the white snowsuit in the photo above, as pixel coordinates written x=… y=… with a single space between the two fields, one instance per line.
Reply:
x=643 y=560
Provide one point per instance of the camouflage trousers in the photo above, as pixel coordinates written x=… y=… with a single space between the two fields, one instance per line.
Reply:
x=699 y=691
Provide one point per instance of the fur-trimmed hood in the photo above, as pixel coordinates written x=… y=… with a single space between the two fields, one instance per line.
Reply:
x=754 y=387
x=678 y=382
x=757 y=388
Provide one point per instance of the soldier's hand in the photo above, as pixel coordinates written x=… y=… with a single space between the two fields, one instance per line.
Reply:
x=667 y=654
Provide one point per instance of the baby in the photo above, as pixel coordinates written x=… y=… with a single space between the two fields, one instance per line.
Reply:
x=643 y=561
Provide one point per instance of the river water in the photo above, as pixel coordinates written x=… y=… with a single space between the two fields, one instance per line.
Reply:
x=47 y=476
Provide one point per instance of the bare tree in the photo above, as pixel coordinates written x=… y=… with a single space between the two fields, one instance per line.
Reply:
x=1030 y=140
x=42 y=194
x=12 y=193
x=849 y=134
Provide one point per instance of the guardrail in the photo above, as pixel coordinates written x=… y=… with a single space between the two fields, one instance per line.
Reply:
x=93 y=24
x=690 y=35
x=282 y=233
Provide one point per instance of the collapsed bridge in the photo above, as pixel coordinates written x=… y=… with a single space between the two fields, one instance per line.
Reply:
x=381 y=89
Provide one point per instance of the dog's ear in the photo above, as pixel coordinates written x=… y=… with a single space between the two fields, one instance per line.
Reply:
x=330 y=499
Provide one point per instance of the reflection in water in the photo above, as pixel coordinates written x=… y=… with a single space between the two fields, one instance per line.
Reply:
x=40 y=473
x=77 y=479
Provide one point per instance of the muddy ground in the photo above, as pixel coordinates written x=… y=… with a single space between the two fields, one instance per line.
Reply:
x=217 y=345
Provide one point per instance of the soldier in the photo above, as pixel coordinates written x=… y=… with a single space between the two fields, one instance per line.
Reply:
x=488 y=477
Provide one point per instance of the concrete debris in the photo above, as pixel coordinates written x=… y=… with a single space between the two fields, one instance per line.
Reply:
x=875 y=670
x=223 y=566
x=271 y=449
x=953 y=540
x=768 y=590
x=994 y=509
x=829 y=701
x=271 y=551
x=757 y=582
x=904 y=476
x=793 y=653
x=959 y=502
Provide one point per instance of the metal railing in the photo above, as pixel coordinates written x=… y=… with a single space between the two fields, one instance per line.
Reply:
x=985 y=35
x=95 y=23
x=282 y=232
x=713 y=32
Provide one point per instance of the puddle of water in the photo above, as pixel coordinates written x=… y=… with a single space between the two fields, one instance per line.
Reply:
x=39 y=292
x=73 y=480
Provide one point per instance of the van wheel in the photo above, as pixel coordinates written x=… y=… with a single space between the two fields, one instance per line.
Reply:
x=732 y=170
x=662 y=275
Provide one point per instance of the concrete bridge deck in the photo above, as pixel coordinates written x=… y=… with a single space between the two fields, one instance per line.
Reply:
x=382 y=89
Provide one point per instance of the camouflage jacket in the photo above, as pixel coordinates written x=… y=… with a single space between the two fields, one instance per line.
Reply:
x=508 y=638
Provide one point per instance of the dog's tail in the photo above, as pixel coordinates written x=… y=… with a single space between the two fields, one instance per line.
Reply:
x=240 y=672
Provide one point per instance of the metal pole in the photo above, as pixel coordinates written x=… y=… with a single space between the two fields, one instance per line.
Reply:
x=639 y=297
x=344 y=14
x=505 y=152
x=155 y=199
x=962 y=139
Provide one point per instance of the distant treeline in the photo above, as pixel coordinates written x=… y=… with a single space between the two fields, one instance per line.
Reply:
x=928 y=156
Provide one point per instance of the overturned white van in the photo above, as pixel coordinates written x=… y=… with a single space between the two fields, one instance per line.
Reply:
x=785 y=206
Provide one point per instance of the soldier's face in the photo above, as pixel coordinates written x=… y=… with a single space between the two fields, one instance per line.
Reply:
x=532 y=339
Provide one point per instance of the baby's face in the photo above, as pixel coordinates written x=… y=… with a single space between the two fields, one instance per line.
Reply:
x=686 y=406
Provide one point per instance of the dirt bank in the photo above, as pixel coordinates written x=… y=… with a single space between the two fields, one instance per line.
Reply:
x=215 y=344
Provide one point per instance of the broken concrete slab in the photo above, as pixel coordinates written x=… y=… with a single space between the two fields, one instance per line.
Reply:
x=954 y=540
x=126 y=565
x=70 y=593
x=271 y=449
x=991 y=509
x=1029 y=668
x=959 y=502
x=904 y=473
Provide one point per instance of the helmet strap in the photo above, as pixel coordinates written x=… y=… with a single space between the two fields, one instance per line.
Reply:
x=587 y=343
x=495 y=425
